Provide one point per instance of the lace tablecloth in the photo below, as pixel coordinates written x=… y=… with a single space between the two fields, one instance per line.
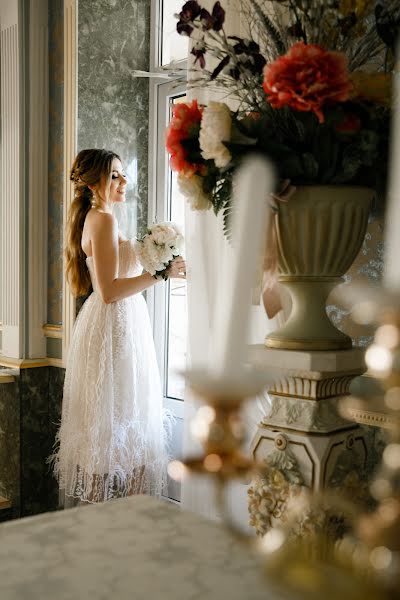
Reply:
x=136 y=548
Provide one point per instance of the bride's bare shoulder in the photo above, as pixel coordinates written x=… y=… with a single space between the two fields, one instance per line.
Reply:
x=101 y=222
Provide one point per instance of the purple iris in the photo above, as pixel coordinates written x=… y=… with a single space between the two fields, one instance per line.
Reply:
x=199 y=51
x=215 y=20
x=190 y=10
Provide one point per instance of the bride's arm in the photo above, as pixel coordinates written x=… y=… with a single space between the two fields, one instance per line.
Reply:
x=105 y=250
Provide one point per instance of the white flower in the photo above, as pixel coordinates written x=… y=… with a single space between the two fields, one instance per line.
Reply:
x=215 y=129
x=192 y=189
x=159 y=246
x=162 y=233
x=144 y=258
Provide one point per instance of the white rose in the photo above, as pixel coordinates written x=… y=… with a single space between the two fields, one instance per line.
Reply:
x=165 y=254
x=151 y=248
x=158 y=234
x=163 y=234
x=144 y=258
x=216 y=123
x=192 y=189
x=178 y=246
x=176 y=242
x=159 y=246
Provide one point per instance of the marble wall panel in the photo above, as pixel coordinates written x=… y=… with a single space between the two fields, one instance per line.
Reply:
x=56 y=384
x=10 y=447
x=113 y=40
x=35 y=439
x=30 y=413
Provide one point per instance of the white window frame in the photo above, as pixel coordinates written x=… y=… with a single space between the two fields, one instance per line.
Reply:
x=160 y=92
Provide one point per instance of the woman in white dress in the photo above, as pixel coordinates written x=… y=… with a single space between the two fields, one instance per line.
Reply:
x=113 y=434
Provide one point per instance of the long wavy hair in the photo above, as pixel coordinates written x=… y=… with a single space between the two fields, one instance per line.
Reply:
x=88 y=168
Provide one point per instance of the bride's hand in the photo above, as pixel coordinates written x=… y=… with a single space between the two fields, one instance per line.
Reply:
x=177 y=269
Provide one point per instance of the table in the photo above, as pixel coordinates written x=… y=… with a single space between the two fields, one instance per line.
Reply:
x=138 y=548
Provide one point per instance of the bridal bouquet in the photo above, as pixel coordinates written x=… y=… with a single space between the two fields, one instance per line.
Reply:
x=158 y=247
x=312 y=94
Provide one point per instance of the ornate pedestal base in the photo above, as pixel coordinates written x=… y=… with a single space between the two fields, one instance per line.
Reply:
x=303 y=439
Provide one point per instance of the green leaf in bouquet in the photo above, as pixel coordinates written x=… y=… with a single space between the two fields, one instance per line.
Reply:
x=310 y=167
x=369 y=140
x=238 y=151
x=255 y=125
x=227 y=221
x=222 y=192
x=326 y=148
x=299 y=127
x=290 y=167
x=350 y=164
x=239 y=137
x=298 y=131
x=209 y=182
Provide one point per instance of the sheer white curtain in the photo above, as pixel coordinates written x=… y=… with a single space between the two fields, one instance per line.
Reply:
x=206 y=248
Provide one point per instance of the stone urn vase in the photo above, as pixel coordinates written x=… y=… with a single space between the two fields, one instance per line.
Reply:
x=319 y=233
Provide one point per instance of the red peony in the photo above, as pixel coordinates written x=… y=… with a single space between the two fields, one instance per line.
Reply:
x=307 y=78
x=184 y=124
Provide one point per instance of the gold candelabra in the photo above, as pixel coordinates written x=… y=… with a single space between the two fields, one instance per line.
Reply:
x=365 y=565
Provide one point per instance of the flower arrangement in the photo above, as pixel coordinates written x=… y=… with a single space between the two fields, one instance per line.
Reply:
x=158 y=247
x=312 y=94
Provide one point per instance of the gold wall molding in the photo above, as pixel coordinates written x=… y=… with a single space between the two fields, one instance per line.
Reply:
x=6 y=378
x=23 y=363
x=53 y=331
x=56 y=362
x=30 y=363
x=70 y=145
x=4 y=503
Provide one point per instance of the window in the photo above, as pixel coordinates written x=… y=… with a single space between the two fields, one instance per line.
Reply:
x=167 y=303
x=173 y=47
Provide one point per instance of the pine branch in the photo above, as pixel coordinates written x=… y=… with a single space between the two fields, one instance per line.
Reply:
x=269 y=27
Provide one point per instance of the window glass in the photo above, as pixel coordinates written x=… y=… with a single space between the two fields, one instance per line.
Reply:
x=174 y=47
x=176 y=321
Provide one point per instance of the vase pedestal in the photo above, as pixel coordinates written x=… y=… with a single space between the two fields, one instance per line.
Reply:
x=308 y=326
x=303 y=437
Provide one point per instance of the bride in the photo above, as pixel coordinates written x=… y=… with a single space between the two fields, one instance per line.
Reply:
x=113 y=432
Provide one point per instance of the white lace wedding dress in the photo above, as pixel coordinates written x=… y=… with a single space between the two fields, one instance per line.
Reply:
x=113 y=434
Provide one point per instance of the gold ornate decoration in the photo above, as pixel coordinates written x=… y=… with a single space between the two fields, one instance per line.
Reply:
x=367 y=561
x=53 y=331
x=272 y=490
x=297 y=528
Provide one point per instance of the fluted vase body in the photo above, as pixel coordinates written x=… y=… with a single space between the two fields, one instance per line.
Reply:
x=319 y=233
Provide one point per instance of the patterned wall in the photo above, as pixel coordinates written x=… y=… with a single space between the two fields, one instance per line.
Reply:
x=113 y=40
x=366 y=269
x=112 y=111
x=56 y=119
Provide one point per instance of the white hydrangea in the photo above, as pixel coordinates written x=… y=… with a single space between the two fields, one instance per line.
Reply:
x=162 y=243
x=216 y=123
x=192 y=189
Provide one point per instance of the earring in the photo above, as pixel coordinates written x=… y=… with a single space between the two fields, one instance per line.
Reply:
x=93 y=201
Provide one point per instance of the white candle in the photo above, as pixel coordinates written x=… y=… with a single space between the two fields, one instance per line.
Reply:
x=392 y=221
x=253 y=185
